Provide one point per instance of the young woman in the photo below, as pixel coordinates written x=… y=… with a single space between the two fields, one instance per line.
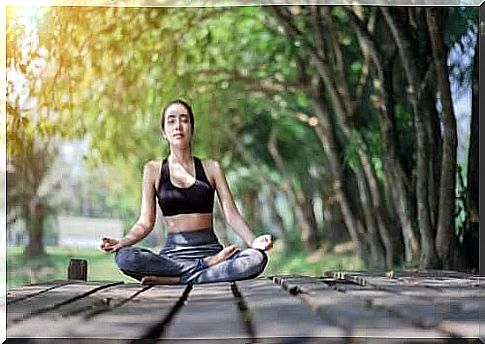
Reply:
x=184 y=187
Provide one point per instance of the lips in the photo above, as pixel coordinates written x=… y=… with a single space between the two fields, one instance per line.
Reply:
x=178 y=135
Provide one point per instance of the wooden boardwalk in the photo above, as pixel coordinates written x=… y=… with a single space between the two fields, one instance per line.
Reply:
x=340 y=307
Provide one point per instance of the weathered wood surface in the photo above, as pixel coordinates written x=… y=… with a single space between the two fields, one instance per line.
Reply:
x=340 y=307
x=274 y=313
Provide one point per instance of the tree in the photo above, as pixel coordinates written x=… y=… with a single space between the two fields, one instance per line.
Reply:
x=314 y=101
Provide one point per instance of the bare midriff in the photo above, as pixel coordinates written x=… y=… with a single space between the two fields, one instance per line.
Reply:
x=188 y=222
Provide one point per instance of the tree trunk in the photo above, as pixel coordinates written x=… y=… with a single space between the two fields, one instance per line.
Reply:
x=307 y=232
x=342 y=109
x=251 y=210
x=389 y=233
x=395 y=175
x=334 y=226
x=429 y=258
x=433 y=133
x=35 y=228
x=329 y=144
x=393 y=171
x=470 y=245
x=445 y=237
x=377 y=255
x=275 y=215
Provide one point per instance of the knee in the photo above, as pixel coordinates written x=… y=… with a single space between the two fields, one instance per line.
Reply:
x=126 y=258
x=259 y=259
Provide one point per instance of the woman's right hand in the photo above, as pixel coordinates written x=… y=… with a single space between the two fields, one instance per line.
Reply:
x=110 y=245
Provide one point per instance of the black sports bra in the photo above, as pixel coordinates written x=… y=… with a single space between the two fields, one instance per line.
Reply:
x=197 y=198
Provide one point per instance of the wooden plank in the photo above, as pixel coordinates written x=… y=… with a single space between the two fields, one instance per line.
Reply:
x=211 y=312
x=404 y=273
x=278 y=316
x=355 y=315
x=103 y=300
x=416 y=286
x=446 y=315
x=455 y=311
x=28 y=291
x=442 y=307
x=401 y=285
x=131 y=316
x=457 y=316
x=435 y=274
x=52 y=299
x=136 y=318
x=429 y=279
x=63 y=340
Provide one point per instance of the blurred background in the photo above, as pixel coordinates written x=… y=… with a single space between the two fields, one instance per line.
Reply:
x=348 y=133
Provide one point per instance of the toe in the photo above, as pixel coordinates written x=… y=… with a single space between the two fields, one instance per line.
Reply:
x=147 y=280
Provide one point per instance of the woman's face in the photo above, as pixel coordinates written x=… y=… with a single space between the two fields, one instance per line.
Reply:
x=177 y=127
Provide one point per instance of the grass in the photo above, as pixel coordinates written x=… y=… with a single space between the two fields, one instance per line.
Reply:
x=21 y=271
x=283 y=260
x=101 y=265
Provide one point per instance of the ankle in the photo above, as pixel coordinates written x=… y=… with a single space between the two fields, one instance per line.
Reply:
x=208 y=261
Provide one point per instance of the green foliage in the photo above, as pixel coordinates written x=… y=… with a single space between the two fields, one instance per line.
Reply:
x=351 y=155
x=462 y=210
x=103 y=74
x=458 y=22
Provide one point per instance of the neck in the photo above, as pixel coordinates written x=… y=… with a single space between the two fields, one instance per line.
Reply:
x=181 y=155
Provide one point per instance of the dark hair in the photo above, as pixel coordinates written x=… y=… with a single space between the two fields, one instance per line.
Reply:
x=181 y=102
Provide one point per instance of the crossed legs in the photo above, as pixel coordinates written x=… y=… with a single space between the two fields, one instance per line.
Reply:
x=138 y=263
x=245 y=264
x=151 y=268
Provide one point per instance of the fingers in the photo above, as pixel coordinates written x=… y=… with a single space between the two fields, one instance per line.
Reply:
x=116 y=248
x=269 y=242
x=109 y=244
x=233 y=249
x=233 y=252
x=104 y=243
x=229 y=251
x=108 y=247
x=263 y=242
x=109 y=240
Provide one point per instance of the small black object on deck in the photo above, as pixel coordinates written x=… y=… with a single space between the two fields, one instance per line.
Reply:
x=78 y=270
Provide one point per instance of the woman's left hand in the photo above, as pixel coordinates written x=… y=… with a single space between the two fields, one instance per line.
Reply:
x=263 y=242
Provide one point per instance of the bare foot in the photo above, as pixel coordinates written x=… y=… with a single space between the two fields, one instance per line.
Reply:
x=160 y=280
x=225 y=254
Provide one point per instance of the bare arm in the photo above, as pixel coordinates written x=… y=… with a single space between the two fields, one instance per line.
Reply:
x=147 y=218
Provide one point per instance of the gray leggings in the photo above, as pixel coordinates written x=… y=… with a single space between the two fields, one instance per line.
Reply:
x=183 y=256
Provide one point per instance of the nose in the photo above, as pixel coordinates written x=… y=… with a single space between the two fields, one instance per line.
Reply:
x=178 y=123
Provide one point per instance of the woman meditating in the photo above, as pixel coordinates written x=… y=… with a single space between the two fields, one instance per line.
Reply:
x=184 y=187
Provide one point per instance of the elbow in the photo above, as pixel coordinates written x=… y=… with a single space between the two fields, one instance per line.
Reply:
x=147 y=225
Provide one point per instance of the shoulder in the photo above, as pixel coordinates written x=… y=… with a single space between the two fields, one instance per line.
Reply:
x=212 y=166
x=151 y=169
x=214 y=172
